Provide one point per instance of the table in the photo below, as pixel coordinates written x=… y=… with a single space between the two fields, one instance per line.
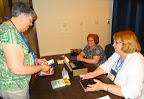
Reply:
x=41 y=87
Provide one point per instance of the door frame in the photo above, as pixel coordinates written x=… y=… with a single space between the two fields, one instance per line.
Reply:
x=35 y=34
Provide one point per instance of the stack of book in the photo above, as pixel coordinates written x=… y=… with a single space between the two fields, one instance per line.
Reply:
x=60 y=83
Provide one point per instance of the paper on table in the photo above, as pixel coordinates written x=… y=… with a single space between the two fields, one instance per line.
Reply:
x=81 y=76
x=104 y=97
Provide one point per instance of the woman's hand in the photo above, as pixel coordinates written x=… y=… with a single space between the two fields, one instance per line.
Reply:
x=45 y=68
x=79 y=58
x=40 y=61
x=96 y=87
x=89 y=75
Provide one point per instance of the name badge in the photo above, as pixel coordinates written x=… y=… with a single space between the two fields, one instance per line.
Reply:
x=112 y=75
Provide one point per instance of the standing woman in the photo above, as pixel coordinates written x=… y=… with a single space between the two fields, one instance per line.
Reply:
x=125 y=68
x=92 y=51
x=16 y=58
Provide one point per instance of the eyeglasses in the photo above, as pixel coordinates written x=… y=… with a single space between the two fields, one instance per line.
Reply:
x=31 y=21
x=116 y=42
x=90 y=40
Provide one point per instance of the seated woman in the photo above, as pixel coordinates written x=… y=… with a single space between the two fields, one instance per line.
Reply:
x=125 y=68
x=93 y=51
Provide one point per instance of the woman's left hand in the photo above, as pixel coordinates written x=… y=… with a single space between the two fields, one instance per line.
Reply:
x=40 y=61
x=96 y=87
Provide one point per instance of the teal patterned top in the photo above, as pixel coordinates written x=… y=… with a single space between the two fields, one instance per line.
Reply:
x=9 y=81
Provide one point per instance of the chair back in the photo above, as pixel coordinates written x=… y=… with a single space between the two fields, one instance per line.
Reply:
x=109 y=50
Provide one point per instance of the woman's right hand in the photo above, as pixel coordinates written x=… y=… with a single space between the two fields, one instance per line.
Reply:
x=89 y=75
x=79 y=57
x=45 y=68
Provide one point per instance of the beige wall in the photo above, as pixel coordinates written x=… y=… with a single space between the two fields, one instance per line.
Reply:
x=65 y=24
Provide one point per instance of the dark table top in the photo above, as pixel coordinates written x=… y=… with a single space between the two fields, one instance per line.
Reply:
x=41 y=87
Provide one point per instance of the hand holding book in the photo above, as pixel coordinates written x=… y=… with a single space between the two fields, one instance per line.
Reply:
x=90 y=84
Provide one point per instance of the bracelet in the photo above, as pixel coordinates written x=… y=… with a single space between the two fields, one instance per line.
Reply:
x=107 y=86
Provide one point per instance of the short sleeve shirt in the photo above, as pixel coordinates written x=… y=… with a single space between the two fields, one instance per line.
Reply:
x=97 y=51
x=8 y=80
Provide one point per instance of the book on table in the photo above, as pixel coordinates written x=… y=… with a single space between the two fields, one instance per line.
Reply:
x=60 y=59
x=60 y=83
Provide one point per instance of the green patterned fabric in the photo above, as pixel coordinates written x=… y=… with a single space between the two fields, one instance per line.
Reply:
x=9 y=81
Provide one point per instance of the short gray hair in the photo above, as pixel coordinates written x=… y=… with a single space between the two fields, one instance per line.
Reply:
x=20 y=7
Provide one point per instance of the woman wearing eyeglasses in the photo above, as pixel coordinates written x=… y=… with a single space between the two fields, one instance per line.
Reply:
x=125 y=68
x=92 y=52
x=16 y=58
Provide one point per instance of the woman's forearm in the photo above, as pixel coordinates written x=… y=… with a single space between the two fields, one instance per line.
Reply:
x=114 y=89
x=90 y=60
x=98 y=71
x=26 y=69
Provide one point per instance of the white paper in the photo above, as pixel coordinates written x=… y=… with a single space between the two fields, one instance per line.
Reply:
x=50 y=61
x=104 y=97
x=81 y=76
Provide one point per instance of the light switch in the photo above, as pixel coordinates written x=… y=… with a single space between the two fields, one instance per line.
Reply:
x=108 y=21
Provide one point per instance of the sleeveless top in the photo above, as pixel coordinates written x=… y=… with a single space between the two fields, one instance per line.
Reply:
x=8 y=80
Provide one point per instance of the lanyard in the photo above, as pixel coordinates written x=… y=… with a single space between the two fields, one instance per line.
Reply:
x=34 y=56
x=118 y=66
